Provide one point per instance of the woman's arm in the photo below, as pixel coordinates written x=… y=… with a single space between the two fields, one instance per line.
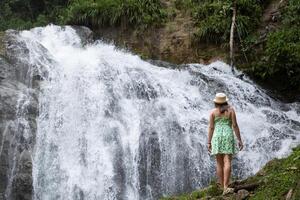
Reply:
x=236 y=129
x=211 y=127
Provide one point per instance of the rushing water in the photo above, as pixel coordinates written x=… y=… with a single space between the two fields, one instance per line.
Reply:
x=112 y=126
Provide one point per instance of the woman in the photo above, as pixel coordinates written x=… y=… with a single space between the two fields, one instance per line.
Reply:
x=221 y=142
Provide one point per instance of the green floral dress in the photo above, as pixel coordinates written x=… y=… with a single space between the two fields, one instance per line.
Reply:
x=223 y=141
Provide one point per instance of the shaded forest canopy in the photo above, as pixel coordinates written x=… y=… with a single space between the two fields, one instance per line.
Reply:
x=268 y=53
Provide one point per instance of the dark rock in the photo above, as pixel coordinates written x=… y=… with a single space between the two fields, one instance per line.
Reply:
x=1 y=196
x=261 y=172
x=149 y=168
x=9 y=94
x=18 y=55
x=165 y=64
x=18 y=111
x=85 y=34
x=6 y=70
x=242 y=194
x=13 y=139
x=250 y=186
x=22 y=183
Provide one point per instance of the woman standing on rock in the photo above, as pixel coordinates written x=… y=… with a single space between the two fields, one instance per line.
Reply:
x=221 y=142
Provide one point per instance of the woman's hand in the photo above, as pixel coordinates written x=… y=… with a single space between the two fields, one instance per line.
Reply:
x=209 y=147
x=241 y=146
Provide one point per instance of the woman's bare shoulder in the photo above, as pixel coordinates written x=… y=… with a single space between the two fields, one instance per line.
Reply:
x=231 y=111
x=213 y=110
x=231 y=108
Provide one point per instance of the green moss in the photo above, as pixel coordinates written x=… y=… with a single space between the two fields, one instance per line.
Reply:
x=211 y=190
x=1 y=43
x=281 y=176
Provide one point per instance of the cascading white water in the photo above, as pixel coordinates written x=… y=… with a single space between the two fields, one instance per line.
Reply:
x=112 y=126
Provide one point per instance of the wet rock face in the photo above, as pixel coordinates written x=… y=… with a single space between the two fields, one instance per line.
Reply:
x=85 y=34
x=19 y=88
x=6 y=70
x=22 y=182
x=18 y=111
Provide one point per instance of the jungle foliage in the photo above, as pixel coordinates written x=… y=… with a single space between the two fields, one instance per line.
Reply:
x=101 y=13
x=213 y=19
x=17 y=14
x=280 y=57
x=24 y=14
x=276 y=59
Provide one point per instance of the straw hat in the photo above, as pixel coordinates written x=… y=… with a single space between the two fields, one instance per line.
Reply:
x=220 y=98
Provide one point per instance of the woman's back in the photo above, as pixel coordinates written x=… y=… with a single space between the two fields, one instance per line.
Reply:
x=222 y=121
x=224 y=117
x=223 y=138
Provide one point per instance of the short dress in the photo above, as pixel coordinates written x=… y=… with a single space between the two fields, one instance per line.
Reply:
x=223 y=141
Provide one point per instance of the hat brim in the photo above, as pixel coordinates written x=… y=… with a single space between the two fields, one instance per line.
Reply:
x=216 y=101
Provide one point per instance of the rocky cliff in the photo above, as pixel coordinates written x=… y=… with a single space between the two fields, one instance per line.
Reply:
x=19 y=89
x=18 y=110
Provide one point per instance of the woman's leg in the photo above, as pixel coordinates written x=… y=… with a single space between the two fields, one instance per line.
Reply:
x=220 y=166
x=227 y=169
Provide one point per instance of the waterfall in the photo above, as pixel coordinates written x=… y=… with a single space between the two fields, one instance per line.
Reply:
x=112 y=126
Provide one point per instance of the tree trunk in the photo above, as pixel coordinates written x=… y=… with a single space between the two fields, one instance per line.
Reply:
x=231 y=42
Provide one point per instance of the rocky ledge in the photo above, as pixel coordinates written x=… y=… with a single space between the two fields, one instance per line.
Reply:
x=278 y=179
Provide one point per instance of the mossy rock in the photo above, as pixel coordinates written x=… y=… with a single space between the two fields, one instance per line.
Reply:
x=2 y=47
x=211 y=191
x=281 y=176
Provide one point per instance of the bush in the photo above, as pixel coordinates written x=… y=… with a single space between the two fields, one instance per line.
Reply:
x=213 y=19
x=183 y=4
x=96 y=13
x=115 y=12
x=281 y=56
x=25 y=14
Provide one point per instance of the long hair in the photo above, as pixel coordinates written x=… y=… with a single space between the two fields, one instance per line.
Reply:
x=223 y=106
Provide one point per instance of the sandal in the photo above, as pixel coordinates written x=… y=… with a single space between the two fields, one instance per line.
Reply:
x=228 y=190
x=219 y=186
